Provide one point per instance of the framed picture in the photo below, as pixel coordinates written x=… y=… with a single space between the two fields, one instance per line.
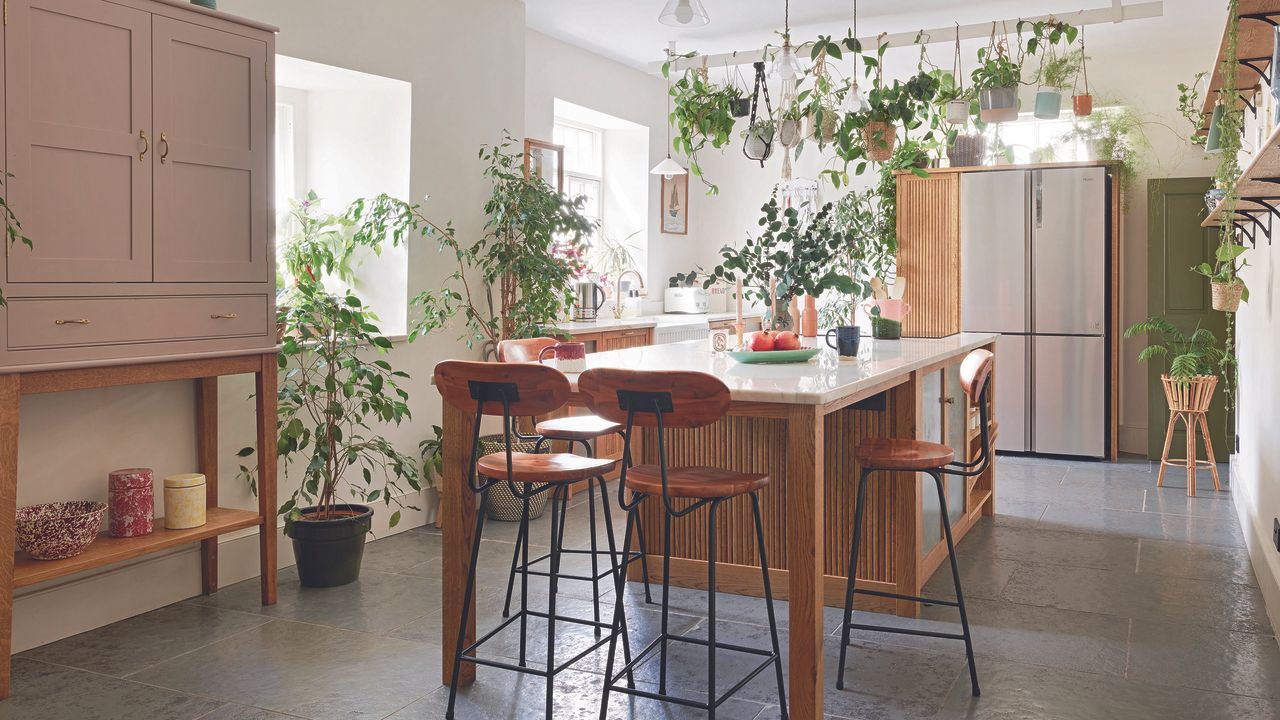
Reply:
x=544 y=160
x=675 y=204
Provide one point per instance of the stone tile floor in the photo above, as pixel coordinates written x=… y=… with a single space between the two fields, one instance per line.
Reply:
x=1093 y=595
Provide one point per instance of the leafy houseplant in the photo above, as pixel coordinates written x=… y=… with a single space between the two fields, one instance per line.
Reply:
x=1224 y=277
x=335 y=386
x=526 y=255
x=996 y=81
x=1057 y=73
x=702 y=113
x=759 y=137
x=1189 y=107
x=1194 y=361
x=1114 y=134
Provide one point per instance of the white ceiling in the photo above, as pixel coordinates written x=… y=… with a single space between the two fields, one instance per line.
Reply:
x=629 y=31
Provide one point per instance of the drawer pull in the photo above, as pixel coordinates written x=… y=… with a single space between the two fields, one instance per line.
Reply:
x=81 y=321
x=223 y=316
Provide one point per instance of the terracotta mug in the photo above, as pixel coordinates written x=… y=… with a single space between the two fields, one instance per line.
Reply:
x=570 y=357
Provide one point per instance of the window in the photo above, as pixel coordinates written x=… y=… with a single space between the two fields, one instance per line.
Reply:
x=1032 y=140
x=583 y=165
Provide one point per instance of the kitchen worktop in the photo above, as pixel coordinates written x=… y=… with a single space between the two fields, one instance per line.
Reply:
x=824 y=379
x=609 y=323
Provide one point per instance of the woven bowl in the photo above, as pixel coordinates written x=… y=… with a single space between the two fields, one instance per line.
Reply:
x=53 y=531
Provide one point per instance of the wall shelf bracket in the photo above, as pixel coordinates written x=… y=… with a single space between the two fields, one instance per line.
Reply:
x=1258 y=65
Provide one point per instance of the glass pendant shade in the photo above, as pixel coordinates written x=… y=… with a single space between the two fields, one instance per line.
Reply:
x=668 y=168
x=854 y=102
x=786 y=66
x=684 y=13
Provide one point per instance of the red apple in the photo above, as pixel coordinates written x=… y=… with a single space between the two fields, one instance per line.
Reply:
x=786 y=340
x=762 y=341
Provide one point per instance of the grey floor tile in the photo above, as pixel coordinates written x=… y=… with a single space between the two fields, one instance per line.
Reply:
x=139 y=642
x=1087 y=491
x=1011 y=511
x=1050 y=546
x=306 y=670
x=401 y=551
x=1205 y=658
x=884 y=681
x=232 y=711
x=1174 y=501
x=52 y=692
x=1200 y=562
x=1181 y=528
x=980 y=577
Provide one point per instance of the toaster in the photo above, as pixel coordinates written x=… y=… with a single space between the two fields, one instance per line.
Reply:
x=685 y=300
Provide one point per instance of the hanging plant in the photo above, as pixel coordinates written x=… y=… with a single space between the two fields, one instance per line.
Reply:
x=820 y=102
x=760 y=132
x=1190 y=106
x=996 y=80
x=1082 y=103
x=702 y=113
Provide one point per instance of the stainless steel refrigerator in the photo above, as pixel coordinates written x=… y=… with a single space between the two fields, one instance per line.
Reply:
x=1034 y=266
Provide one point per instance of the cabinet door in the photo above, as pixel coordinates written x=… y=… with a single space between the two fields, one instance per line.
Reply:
x=78 y=93
x=211 y=152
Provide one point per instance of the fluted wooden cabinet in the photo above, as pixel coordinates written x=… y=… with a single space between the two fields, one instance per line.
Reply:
x=928 y=226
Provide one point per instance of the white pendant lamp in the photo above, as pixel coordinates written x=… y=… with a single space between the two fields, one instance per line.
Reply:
x=684 y=13
x=669 y=168
x=854 y=102
x=786 y=66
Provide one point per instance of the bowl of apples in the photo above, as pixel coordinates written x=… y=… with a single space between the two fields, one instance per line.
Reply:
x=769 y=347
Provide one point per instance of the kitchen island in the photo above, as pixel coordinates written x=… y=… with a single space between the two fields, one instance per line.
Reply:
x=798 y=423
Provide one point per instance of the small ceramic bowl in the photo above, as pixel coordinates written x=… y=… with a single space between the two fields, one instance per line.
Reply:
x=53 y=531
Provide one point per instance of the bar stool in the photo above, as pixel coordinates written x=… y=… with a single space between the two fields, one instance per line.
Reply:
x=575 y=430
x=905 y=455
x=663 y=400
x=511 y=390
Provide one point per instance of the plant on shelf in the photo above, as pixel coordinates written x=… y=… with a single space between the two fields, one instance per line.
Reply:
x=1190 y=106
x=529 y=255
x=1228 y=290
x=335 y=386
x=702 y=113
x=12 y=230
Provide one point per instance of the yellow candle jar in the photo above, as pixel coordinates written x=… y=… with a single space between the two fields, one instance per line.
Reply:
x=184 y=501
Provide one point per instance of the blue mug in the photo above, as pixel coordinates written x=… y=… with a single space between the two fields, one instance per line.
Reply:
x=847 y=337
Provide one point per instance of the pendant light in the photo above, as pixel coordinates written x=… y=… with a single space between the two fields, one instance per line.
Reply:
x=854 y=102
x=684 y=13
x=668 y=168
x=786 y=66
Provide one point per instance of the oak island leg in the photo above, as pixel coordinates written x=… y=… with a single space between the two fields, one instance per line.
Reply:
x=207 y=464
x=9 y=397
x=458 y=509
x=805 y=558
x=265 y=393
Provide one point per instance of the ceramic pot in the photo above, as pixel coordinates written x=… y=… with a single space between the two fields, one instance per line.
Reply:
x=329 y=552
x=1082 y=105
x=742 y=107
x=809 y=317
x=1048 y=104
x=58 y=530
x=879 y=139
x=757 y=146
x=789 y=132
x=184 y=501
x=1213 y=143
x=998 y=104
x=781 y=319
x=958 y=112
x=131 y=501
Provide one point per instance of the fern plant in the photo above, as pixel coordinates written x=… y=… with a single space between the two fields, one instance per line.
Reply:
x=1188 y=355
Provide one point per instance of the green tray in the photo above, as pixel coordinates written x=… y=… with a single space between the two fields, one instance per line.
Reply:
x=774 y=356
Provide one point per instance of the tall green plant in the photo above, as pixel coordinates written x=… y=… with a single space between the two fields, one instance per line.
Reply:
x=1188 y=355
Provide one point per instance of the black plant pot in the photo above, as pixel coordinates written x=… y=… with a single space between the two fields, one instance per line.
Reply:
x=328 y=552
x=742 y=107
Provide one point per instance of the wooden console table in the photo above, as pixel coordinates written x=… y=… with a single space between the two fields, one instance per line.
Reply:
x=18 y=570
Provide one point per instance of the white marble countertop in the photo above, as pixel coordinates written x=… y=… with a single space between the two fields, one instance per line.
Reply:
x=608 y=323
x=824 y=379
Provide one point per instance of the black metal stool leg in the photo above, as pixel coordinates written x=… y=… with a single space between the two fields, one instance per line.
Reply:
x=523 y=550
x=853 y=575
x=616 y=566
x=666 y=598
x=619 y=623
x=955 y=575
x=515 y=558
x=559 y=503
x=466 y=603
x=711 y=610
x=768 y=600
x=644 y=561
x=595 y=566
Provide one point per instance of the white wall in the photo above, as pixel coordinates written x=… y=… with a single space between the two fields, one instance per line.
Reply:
x=462 y=97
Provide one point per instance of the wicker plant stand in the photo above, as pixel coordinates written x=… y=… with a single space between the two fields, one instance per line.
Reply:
x=1189 y=402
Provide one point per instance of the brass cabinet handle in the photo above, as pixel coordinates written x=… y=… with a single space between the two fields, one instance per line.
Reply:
x=164 y=153
x=223 y=316
x=81 y=321
x=146 y=145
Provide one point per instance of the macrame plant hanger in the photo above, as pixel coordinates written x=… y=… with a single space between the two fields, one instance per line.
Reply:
x=761 y=88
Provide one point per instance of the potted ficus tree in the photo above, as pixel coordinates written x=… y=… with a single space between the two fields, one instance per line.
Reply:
x=1194 y=361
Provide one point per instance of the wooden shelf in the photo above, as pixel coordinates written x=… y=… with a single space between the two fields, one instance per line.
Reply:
x=107 y=550
x=1253 y=41
x=1265 y=164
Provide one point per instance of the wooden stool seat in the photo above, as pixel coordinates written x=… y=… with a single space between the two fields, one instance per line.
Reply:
x=903 y=454
x=694 y=482
x=543 y=467
x=577 y=427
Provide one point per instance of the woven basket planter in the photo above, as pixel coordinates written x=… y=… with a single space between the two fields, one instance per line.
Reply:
x=1226 y=296
x=879 y=139
x=968 y=150
x=503 y=505
x=1193 y=395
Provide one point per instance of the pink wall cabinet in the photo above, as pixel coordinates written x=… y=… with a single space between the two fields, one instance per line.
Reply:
x=139 y=136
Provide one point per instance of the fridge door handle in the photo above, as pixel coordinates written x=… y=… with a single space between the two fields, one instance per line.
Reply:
x=1039 y=209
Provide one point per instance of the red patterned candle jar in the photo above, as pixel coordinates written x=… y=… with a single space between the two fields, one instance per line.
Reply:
x=131 y=503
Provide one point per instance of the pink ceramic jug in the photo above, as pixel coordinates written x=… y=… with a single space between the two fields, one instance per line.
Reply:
x=894 y=310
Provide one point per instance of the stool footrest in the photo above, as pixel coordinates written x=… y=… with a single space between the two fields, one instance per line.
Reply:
x=906 y=631
x=661 y=640
x=473 y=647
x=632 y=556
x=913 y=598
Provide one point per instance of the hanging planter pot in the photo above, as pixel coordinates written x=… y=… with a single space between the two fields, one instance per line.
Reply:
x=879 y=139
x=958 y=109
x=1213 y=197
x=825 y=131
x=1082 y=105
x=1082 y=102
x=968 y=150
x=742 y=107
x=1213 y=143
x=789 y=132
x=1226 y=296
x=759 y=144
x=1048 y=104
x=998 y=104
x=958 y=112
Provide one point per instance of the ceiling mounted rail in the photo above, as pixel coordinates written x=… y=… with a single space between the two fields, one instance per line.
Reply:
x=1116 y=13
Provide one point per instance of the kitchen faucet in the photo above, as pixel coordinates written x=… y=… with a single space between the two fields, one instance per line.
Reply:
x=617 y=292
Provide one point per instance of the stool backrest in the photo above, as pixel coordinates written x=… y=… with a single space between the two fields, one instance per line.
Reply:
x=506 y=388
x=684 y=399
x=524 y=350
x=974 y=373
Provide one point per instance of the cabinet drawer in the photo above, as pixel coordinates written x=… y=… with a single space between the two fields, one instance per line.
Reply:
x=70 y=322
